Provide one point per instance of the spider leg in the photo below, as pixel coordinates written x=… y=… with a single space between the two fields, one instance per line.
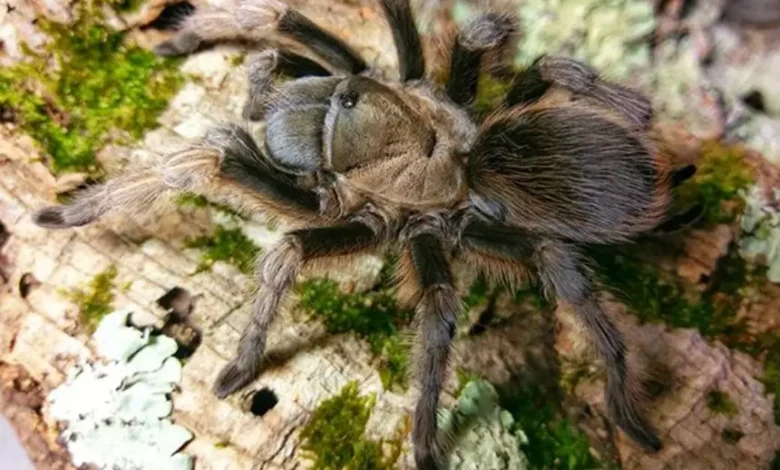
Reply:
x=563 y=274
x=575 y=76
x=411 y=61
x=437 y=309
x=255 y=20
x=266 y=65
x=227 y=155
x=276 y=273
x=477 y=36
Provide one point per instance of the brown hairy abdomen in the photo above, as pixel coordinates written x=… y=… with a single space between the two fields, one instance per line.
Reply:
x=570 y=172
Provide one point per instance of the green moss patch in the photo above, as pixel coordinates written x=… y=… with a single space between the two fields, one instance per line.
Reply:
x=334 y=436
x=95 y=298
x=228 y=245
x=554 y=442
x=654 y=296
x=100 y=84
x=720 y=402
x=373 y=316
x=197 y=200
x=771 y=378
x=721 y=174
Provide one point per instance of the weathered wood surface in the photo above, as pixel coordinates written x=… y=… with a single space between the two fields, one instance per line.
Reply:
x=40 y=338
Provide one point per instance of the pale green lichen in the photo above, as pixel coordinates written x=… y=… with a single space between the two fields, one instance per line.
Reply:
x=116 y=412
x=760 y=242
x=610 y=35
x=485 y=436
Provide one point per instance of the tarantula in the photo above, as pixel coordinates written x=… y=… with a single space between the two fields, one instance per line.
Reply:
x=364 y=164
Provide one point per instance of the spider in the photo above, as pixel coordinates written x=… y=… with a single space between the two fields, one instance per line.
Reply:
x=363 y=164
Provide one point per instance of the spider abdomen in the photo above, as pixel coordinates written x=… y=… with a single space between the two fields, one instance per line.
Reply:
x=570 y=172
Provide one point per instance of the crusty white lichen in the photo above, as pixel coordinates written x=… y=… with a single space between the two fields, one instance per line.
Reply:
x=482 y=431
x=760 y=242
x=116 y=411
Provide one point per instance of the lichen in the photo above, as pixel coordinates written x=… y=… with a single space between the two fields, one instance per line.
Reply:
x=719 y=402
x=722 y=175
x=228 y=245
x=100 y=84
x=760 y=241
x=374 y=316
x=95 y=298
x=334 y=437
x=116 y=411
x=485 y=435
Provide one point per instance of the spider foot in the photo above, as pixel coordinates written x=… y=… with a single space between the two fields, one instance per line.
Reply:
x=183 y=43
x=487 y=31
x=59 y=217
x=232 y=378
x=429 y=458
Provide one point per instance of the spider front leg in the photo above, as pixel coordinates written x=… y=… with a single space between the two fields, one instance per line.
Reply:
x=580 y=79
x=267 y=65
x=255 y=20
x=276 y=273
x=411 y=60
x=227 y=158
x=564 y=275
x=478 y=36
x=437 y=310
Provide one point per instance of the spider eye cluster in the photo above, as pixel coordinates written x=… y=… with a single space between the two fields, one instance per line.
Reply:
x=348 y=99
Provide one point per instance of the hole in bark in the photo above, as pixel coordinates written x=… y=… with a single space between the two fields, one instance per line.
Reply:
x=5 y=263
x=27 y=283
x=485 y=318
x=263 y=401
x=171 y=16
x=4 y=235
x=179 y=303
x=755 y=100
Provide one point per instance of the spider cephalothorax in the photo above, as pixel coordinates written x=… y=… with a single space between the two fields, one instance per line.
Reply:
x=364 y=164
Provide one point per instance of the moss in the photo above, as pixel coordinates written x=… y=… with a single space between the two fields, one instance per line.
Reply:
x=720 y=402
x=477 y=294
x=200 y=201
x=221 y=444
x=373 y=316
x=491 y=93
x=721 y=175
x=334 y=436
x=95 y=298
x=732 y=435
x=533 y=295
x=654 y=296
x=101 y=84
x=237 y=59
x=126 y=5
x=573 y=373
x=771 y=377
x=229 y=245
x=554 y=442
